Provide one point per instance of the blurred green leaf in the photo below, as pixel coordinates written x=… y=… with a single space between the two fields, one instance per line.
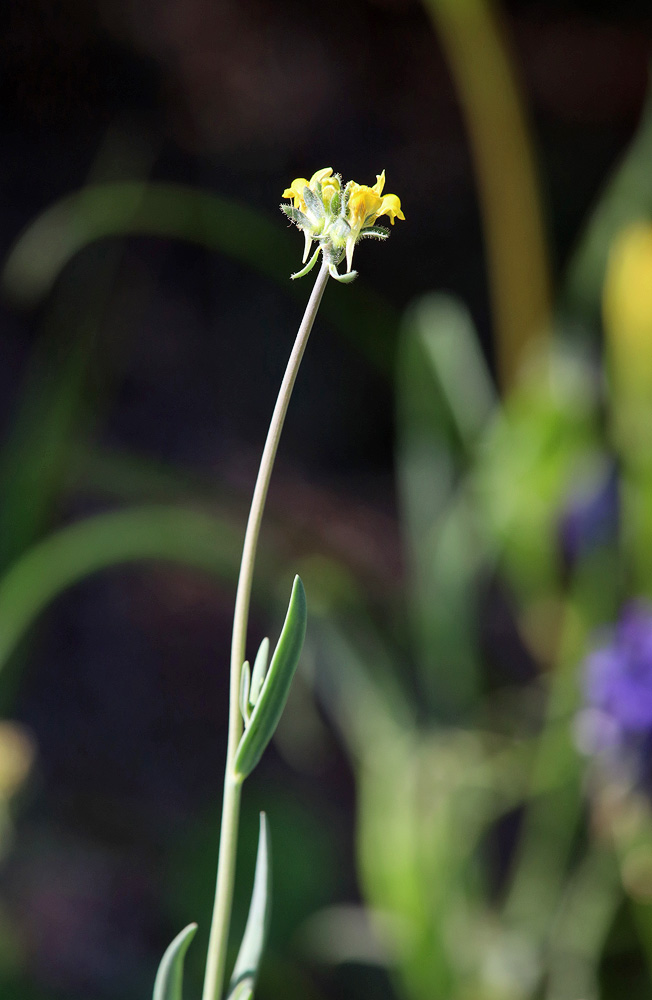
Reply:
x=591 y=898
x=133 y=207
x=169 y=978
x=276 y=686
x=444 y=400
x=627 y=198
x=475 y=44
x=426 y=799
x=174 y=534
x=245 y=972
x=450 y=348
x=55 y=408
x=57 y=405
x=543 y=442
x=177 y=212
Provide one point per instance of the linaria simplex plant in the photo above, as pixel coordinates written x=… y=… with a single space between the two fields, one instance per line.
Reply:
x=336 y=218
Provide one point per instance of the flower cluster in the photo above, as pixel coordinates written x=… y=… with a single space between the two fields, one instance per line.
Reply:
x=616 y=723
x=337 y=217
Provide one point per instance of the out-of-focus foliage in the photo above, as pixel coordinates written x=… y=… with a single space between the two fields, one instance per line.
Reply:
x=501 y=854
x=498 y=857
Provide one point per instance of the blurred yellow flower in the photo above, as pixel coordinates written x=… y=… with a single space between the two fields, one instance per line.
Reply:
x=17 y=752
x=627 y=307
x=627 y=315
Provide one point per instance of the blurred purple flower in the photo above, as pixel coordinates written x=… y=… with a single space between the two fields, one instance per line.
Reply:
x=590 y=519
x=616 y=722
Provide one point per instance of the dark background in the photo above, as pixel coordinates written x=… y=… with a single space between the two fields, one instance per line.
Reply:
x=124 y=686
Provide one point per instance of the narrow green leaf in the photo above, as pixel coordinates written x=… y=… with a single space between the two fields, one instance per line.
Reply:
x=245 y=682
x=379 y=232
x=445 y=402
x=168 y=984
x=273 y=696
x=343 y=278
x=309 y=266
x=242 y=992
x=259 y=671
x=247 y=963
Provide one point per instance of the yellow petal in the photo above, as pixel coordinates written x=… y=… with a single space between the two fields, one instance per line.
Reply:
x=319 y=175
x=363 y=207
x=329 y=187
x=295 y=191
x=380 y=183
x=391 y=205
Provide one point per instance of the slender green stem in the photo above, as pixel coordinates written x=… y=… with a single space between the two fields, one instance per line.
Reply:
x=216 y=960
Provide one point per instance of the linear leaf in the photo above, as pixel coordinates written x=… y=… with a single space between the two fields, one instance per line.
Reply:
x=247 y=963
x=345 y=279
x=273 y=696
x=168 y=984
x=259 y=671
x=380 y=232
x=309 y=266
x=242 y=992
x=245 y=682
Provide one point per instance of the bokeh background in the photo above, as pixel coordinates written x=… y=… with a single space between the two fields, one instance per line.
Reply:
x=145 y=321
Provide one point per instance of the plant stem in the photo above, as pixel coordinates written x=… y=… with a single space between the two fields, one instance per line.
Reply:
x=216 y=960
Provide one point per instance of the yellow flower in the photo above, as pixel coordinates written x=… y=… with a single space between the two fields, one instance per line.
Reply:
x=295 y=191
x=391 y=205
x=365 y=206
x=329 y=187
x=338 y=219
